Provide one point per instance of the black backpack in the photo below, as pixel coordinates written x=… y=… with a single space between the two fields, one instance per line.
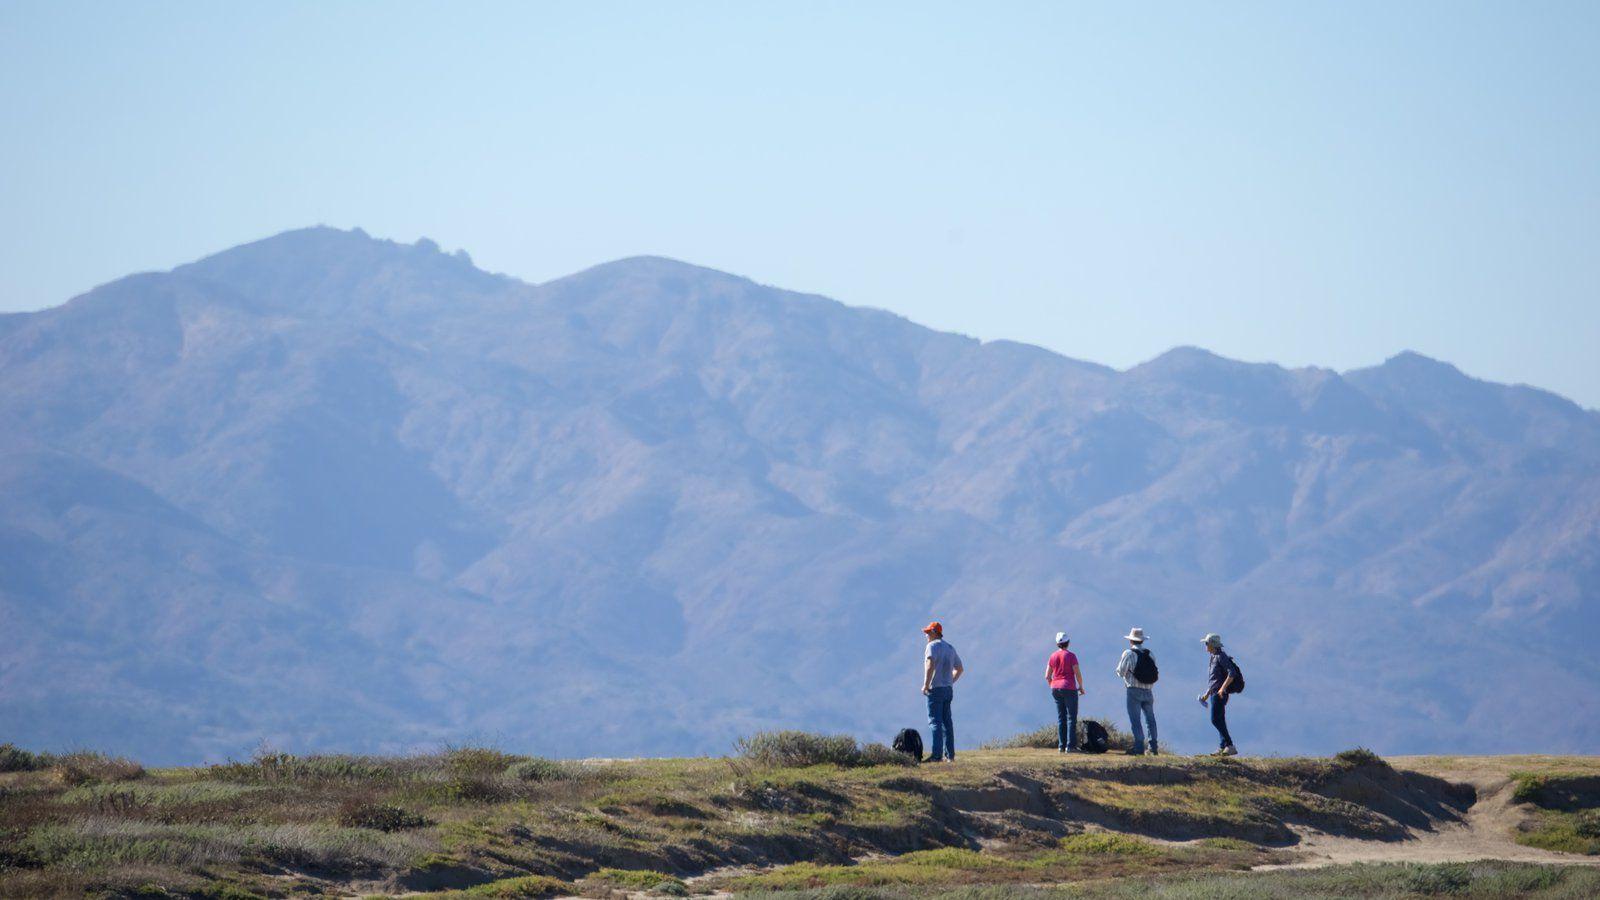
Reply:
x=1095 y=739
x=909 y=742
x=1144 y=667
x=1237 y=687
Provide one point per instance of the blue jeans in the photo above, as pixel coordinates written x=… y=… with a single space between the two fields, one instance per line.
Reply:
x=944 y=731
x=1066 y=718
x=1219 y=719
x=1142 y=700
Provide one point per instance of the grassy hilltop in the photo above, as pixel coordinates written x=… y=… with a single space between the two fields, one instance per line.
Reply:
x=799 y=813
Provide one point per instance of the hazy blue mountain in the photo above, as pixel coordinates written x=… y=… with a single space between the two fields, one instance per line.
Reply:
x=330 y=492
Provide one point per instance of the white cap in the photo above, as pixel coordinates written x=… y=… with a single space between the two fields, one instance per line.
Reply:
x=1061 y=637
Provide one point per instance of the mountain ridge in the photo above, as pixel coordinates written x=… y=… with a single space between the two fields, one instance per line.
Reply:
x=412 y=487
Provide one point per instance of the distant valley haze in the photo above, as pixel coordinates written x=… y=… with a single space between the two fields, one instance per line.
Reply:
x=329 y=492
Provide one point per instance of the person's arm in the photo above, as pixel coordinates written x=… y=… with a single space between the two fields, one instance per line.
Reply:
x=927 y=675
x=1226 y=667
x=1077 y=677
x=1049 y=675
x=955 y=673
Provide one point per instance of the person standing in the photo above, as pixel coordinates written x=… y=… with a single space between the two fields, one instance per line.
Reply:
x=1137 y=669
x=1066 y=685
x=1219 y=686
x=941 y=669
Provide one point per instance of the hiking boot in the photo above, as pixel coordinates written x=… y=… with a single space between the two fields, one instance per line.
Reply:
x=1228 y=751
x=1152 y=751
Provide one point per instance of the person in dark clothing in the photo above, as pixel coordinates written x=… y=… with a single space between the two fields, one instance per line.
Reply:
x=1217 y=691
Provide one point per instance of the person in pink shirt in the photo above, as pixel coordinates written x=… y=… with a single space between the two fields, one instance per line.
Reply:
x=1066 y=685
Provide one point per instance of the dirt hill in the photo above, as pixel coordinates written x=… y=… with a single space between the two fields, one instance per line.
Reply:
x=492 y=824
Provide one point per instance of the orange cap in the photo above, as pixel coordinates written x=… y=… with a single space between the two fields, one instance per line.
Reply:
x=934 y=628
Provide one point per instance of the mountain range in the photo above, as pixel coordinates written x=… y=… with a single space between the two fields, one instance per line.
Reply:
x=329 y=492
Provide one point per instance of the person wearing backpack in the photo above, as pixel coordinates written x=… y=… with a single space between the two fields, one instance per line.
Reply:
x=1225 y=680
x=1137 y=669
x=1066 y=685
x=941 y=669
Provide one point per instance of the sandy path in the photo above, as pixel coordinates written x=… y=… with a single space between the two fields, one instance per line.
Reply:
x=1484 y=834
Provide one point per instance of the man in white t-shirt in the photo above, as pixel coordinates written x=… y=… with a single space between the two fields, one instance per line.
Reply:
x=941 y=669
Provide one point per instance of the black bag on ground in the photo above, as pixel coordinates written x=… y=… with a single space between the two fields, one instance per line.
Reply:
x=1095 y=739
x=909 y=742
x=1144 y=667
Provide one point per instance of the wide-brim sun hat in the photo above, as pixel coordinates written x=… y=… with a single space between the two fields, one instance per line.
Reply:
x=1061 y=637
x=1135 y=634
x=1212 y=640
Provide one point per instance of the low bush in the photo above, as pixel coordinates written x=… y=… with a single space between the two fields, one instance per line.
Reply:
x=540 y=769
x=273 y=767
x=793 y=749
x=379 y=816
x=1358 y=757
x=477 y=761
x=1529 y=789
x=88 y=768
x=16 y=759
x=641 y=880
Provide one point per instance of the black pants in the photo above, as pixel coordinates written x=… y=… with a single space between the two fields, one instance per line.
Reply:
x=1219 y=718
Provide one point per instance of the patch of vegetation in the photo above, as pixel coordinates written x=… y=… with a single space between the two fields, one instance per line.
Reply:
x=379 y=816
x=1568 y=815
x=1470 y=881
x=1097 y=842
x=538 y=768
x=1077 y=857
x=1358 y=757
x=15 y=759
x=797 y=749
x=87 y=768
x=528 y=886
x=273 y=767
x=1529 y=787
x=1564 y=832
x=641 y=880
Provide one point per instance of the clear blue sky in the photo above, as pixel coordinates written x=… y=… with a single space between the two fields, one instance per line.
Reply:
x=1307 y=184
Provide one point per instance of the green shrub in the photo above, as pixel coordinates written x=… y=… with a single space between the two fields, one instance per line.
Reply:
x=379 y=816
x=477 y=761
x=793 y=749
x=540 y=769
x=15 y=759
x=87 y=768
x=274 y=767
x=1529 y=788
x=1357 y=757
x=641 y=880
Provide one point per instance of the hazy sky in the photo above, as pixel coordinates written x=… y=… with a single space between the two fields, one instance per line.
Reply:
x=1307 y=184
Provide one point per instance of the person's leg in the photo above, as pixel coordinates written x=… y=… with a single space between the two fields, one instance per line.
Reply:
x=949 y=724
x=1133 y=720
x=1060 y=697
x=1219 y=719
x=1072 y=719
x=935 y=726
x=1149 y=704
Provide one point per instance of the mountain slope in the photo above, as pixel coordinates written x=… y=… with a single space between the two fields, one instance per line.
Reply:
x=324 y=490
